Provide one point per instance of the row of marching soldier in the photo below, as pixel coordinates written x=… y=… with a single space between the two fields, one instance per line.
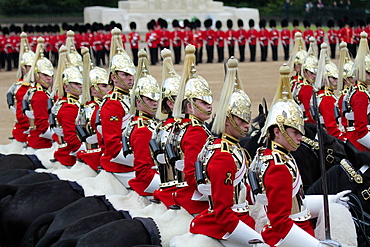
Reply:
x=97 y=37
x=155 y=142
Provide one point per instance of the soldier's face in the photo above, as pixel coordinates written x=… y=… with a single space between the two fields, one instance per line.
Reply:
x=230 y=129
x=293 y=134
x=147 y=102
x=44 y=79
x=73 y=88
x=203 y=105
x=126 y=78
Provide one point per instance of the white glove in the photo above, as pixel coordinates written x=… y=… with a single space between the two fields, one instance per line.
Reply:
x=331 y=243
x=341 y=198
x=92 y=139
x=179 y=165
x=27 y=132
x=161 y=159
x=82 y=147
x=48 y=134
x=29 y=114
x=12 y=108
x=58 y=131
x=99 y=129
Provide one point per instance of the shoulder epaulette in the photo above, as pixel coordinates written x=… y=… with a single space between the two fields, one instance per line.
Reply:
x=114 y=96
x=39 y=88
x=351 y=172
x=266 y=158
x=72 y=101
x=140 y=123
x=225 y=147
x=277 y=159
x=196 y=122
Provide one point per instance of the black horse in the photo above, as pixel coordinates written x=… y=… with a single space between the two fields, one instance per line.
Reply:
x=352 y=174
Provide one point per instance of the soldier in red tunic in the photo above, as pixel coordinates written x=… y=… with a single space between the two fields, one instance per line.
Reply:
x=347 y=35
x=230 y=37
x=41 y=75
x=307 y=33
x=319 y=35
x=163 y=159
x=288 y=209
x=304 y=90
x=95 y=88
x=296 y=60
x=152 y=39
x=345 y=82
x=177 y=37
x=332 y=38
x=358 y=100
x=188 y=34
x=252 y=40
x=209 y=35
x=144 y=101
x=114 y=112
x=17 y=91
x=274 y=40
x=222 y=169
x=198 y=41
x=242 y=39
x=263 y=39
x=326 y=82
x=285 y=36
x=220 y=41
x=134 y=39
x=66 y=108
x=195 y=100
x=165 y=39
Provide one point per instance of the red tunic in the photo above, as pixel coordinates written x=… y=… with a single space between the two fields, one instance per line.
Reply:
x=191 y=144
x=66 y=117
x=274 y=37
x=220 y=38
x=285 y=36
x=151 y=39
x=144 y=166
x=209 y=36
x=188 y=38
x=252 y=36
x=263 y=37
x=241 y=36
x=39 y=104
x=306 y=36
x=165 y=38
x=230 y=37
x=134 y=39
x=277 y=181
x=304 y=96
x=359 y=103
x=346 y=35
x=319 y=36
x=176 y=38
x=326 y=110
x=112 y=114
x=22 y=122
x=222 y=219
x=332 y=36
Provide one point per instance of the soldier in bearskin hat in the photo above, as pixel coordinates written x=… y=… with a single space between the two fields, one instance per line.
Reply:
x=263 y=38
x=209 y=34
x=332 y=38
x=177 y=37
x=274 y=40
x=230 y=37
x=220 y=41
x=252 y=40
x=134 y=39
x=242 y=39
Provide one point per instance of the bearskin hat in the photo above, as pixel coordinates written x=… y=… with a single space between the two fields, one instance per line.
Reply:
x=284 y=23
x=175 y=23
x=240 y=23
x=295 y=23
x=251 y=23
x=272 y=23
x=330 y=23
x=229 y=23
x=306 y=23
x=218 y=24
x=262 y=23
x=132 y=25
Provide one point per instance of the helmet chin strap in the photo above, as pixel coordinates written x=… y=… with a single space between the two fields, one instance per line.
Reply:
x=145 y=105
x=287 y=137
x=207 y=113
x=236 y=127
x=73 y=89
x=99 y=91
x=123 y=84
x=41 y=81
x=308 y=78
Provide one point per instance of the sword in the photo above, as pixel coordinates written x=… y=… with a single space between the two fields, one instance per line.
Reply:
x=315 y=113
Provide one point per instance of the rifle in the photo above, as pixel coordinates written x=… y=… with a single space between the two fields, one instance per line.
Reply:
x=315 y=114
